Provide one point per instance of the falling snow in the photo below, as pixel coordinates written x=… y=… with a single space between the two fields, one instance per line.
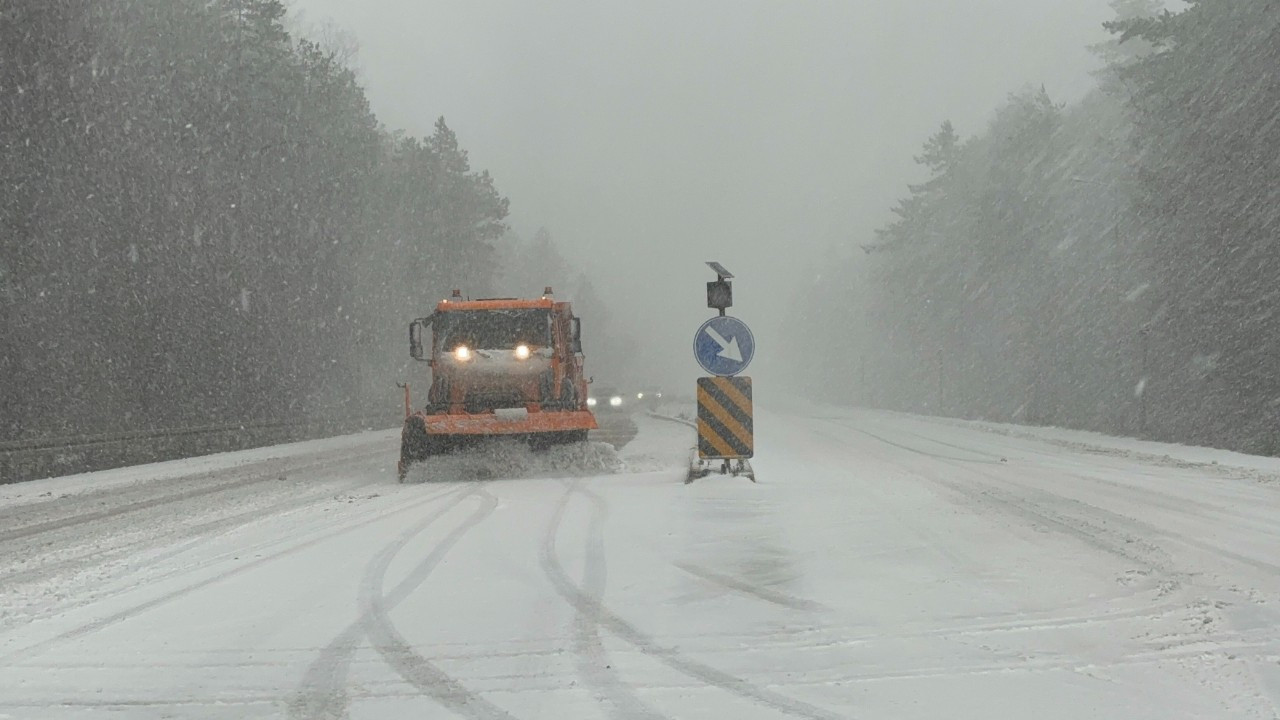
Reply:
x=218 y=218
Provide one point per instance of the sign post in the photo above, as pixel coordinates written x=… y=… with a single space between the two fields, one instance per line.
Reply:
x=723 y=347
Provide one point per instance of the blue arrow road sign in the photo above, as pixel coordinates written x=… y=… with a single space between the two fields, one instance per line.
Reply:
x=724 y=346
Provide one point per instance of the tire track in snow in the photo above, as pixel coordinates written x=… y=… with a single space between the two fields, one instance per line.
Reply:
x=128 y=613
x=1218 y=671
x=187 y=534
x=988 y=499
x=758 y=592
x=1232 y=645
x=1133 y=531
x=597 y=613
x=1056 y=498
x=1188 y=506
x=219 y=703
x=399 y=654
x=593 y=660
x=1143 y=527
x=322 y=692
x=986 y=459
x=1125 y=546
x=1185 y=507
x=257 y=477
x=50 y=575
x=1127 y=538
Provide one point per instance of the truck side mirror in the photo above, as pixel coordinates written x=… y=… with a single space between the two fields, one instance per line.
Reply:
x=575 y=343
x=415 y=339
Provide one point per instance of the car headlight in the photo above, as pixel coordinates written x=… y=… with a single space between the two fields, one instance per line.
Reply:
x=462 y=353
x=615 y=401
x=639 y=396
x=522 y=352
x=591 y=402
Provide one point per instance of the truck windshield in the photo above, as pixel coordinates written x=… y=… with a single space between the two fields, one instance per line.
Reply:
x=492 y=329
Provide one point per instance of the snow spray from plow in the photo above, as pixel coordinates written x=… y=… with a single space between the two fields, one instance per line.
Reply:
x=502 y=458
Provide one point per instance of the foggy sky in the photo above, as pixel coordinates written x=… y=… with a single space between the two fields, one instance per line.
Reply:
x=649 y=136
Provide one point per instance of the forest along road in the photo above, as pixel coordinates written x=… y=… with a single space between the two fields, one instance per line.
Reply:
x=885 y=566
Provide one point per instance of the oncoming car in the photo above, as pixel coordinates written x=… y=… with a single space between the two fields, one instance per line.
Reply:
x=606 y=397
x=649 y=396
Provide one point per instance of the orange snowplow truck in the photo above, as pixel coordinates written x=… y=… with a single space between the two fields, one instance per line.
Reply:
x=500 y=367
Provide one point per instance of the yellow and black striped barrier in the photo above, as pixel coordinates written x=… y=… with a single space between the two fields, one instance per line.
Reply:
x=724 y=418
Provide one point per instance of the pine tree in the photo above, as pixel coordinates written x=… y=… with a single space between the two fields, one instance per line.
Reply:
x=1205 y=108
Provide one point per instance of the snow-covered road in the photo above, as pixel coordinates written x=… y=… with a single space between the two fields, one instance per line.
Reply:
x=885 y=566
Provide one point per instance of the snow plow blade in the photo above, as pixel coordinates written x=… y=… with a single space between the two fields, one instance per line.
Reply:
x=425 y=436
x=529 y=423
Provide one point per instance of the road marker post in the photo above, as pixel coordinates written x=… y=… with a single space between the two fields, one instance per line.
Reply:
x=723 y=346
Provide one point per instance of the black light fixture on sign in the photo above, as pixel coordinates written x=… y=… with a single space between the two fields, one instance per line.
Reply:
x=720 y=292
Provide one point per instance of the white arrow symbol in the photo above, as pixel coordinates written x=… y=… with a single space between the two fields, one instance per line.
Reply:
x=728 y=348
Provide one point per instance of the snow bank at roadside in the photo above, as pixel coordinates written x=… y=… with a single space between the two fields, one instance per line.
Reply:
x=1259 y=467
x=660 y=445
x=39 y=490
x=1160 y=453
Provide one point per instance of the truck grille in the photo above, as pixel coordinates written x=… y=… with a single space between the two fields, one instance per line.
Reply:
x=484 y=401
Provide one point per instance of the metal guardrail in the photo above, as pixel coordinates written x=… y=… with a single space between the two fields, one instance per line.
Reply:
x=69 y=441
x=675 y=419
x=59 y=455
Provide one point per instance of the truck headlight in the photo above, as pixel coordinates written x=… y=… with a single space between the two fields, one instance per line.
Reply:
x=522 y=352
x=591 y=402
x=463 y=353
x=615 y=401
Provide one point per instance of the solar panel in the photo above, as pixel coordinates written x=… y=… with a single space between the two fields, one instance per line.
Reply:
x=720 y=271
